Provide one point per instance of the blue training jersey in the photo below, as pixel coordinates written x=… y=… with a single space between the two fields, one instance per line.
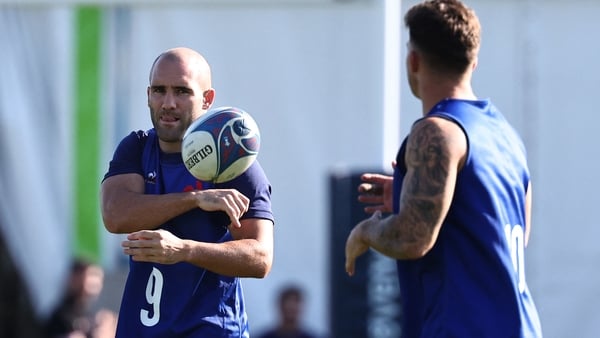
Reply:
x=183 y=300
x=472 y=282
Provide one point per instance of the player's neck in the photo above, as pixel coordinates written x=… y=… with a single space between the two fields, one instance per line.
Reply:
x=434 y=91
x=169 y=147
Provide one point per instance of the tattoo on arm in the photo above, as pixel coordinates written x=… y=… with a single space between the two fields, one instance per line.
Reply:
x=427 y=161
x=426 y=193
x=427 y=155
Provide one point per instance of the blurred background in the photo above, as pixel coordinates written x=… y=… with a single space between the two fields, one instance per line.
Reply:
x=324 y=80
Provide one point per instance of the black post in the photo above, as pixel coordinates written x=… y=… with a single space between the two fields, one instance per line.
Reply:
x=366 y=305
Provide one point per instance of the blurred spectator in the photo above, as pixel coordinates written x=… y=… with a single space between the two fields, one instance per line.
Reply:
x=75 y=316
x=17 y=315
x=290 y=308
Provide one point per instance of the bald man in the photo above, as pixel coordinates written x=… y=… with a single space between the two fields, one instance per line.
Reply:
x=189 y=241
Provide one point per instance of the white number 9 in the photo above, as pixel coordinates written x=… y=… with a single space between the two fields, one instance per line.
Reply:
x=153 y=294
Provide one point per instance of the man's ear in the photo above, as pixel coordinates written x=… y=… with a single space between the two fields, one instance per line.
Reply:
x=414 y=61
x=148 y=95
x=208 y=98
x=474 y=64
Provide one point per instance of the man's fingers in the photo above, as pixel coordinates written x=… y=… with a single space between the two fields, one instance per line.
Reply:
x=370 y=188
x=374 y=178
x=235 y=222
x=350 y=266
x=144 y=234
x=137 y=244
x=236 y=205
x=371 y=199
x=234 y=214
x=373 y=209
x=364 y=187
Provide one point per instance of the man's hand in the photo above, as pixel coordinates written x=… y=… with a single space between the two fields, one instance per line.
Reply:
x=376 y=190
x=355 y=244
x=157 y=246
x=230 y=201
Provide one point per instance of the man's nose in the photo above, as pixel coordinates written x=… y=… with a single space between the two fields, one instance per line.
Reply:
x=169 y=101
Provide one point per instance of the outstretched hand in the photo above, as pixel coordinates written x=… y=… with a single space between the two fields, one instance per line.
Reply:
x=355 y=244
x=376 y=191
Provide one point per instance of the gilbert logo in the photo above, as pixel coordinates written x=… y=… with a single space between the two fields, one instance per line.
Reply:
x=151 y=178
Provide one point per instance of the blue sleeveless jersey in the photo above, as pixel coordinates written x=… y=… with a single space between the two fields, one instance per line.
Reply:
x=472 y=282
x=183 y=300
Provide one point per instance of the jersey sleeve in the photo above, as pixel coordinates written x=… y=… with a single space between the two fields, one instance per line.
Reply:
x=127 y=158
x=253 y=184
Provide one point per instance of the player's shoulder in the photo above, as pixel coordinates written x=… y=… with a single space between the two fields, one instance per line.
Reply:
x=432 y=128
x=253 y=176
x=132 y=146
x=135 y=139
x=139 y=135
x=253 y=182
x=438 y=137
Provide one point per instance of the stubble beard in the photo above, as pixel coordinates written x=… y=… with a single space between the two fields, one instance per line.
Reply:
x=170 y=135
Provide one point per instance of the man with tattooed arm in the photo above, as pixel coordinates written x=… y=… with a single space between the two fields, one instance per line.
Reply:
x=460 y=196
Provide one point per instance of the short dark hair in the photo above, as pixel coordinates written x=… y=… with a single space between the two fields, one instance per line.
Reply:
x=446 y=32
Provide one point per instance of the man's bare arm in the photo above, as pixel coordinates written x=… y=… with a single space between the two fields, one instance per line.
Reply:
x=250 y=254
x=125 y=208
x=435 y=152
